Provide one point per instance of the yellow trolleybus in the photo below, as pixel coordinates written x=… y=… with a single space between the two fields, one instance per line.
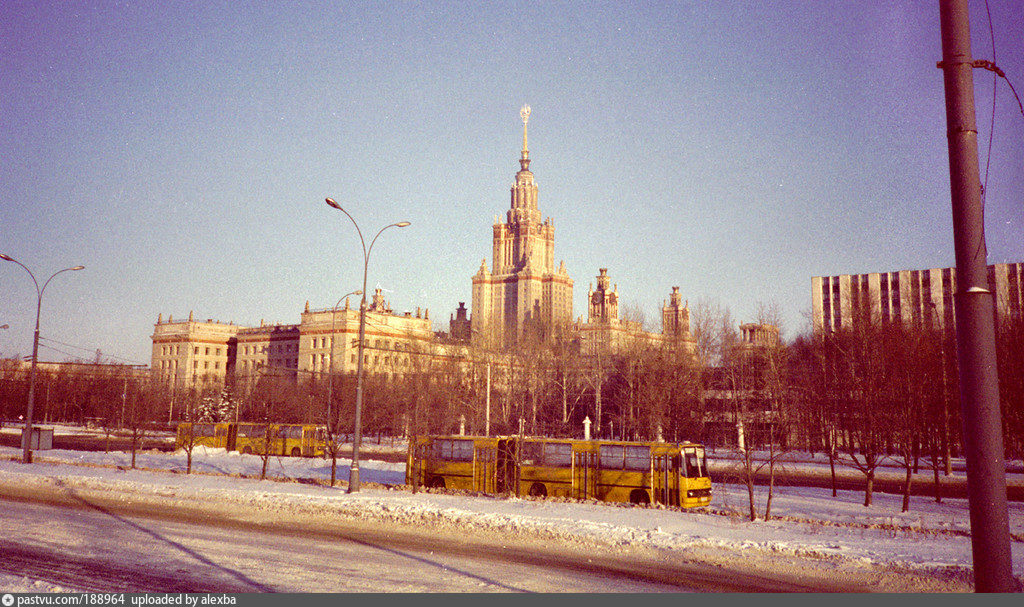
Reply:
x=207 y=435
x=613 y=471
x=296 y=440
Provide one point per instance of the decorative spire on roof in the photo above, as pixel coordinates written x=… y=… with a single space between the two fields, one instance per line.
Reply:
x=524 y=160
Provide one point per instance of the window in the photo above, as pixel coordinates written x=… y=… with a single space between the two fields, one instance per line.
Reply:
x=637 y=457
x=454 y=450
x=696 y=462
x=531 y=454
x=547 y=454
x=611 y=456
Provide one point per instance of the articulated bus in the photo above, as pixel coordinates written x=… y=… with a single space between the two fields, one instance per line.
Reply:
x=611 y=471
x=294 y=440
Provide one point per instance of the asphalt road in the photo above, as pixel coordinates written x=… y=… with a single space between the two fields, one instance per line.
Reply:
x=116 y=544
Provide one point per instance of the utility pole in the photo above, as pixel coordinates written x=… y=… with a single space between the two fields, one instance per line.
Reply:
x=975 y=330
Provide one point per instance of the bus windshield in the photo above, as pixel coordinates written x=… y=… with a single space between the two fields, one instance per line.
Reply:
x=696 y=462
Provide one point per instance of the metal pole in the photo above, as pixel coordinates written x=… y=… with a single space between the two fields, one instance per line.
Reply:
x=357 y=439
x=26 y=438
x=975 y=331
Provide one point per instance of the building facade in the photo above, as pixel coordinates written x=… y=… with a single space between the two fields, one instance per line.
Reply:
x=523 y=286
x=190 y=352
x=605 y=333
x=207 y=354
x=924 y=297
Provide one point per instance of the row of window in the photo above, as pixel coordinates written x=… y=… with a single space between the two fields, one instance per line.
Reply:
x=173 y=364
x=272 y=348
x=174 y=350
x=621 y=457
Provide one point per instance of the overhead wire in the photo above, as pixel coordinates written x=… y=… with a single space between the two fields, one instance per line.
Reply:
x=43 y=339
x=992 y=118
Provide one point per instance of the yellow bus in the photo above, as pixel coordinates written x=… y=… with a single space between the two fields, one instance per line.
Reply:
x=207 y=435
x=296 y=440
x=611 y=471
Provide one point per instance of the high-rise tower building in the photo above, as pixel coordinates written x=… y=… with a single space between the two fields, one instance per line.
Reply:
x=523 y=288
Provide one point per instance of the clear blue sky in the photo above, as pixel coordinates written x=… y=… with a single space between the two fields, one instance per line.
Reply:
x=182 y=152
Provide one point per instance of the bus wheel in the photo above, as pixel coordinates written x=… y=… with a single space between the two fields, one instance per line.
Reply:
x=296 y=452
x=538 y=490
x=436 y=483
x=639 y=496
x=247 y=451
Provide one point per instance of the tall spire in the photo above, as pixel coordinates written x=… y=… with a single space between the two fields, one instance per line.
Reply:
x=524 y=160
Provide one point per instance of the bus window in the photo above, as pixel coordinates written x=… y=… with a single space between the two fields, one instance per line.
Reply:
x=451 y=450
x=462 y=450
x=637 y=457
x=558 y=454
x=696 y=464
x=531 y=454
x=292 y=431
x=250 y=430
x=611 y=456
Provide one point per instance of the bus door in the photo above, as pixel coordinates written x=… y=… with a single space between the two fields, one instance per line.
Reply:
x=220 y=435
x=485 y=458
x=665 y=479
x=507 y=466
x=584 y=474
x=308 y=440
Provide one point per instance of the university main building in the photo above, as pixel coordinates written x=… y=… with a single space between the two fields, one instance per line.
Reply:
x=521 y=299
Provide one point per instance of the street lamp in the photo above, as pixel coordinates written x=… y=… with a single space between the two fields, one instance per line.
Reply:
x=26 y=439
x=330 y=388
x=357 y=439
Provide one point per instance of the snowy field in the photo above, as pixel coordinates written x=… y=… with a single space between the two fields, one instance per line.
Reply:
x=931 y=538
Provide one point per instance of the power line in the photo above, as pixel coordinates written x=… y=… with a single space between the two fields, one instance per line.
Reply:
x=90 y=350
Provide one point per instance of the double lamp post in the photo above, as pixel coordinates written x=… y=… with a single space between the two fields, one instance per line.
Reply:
x=357 y=439
x=26 y=437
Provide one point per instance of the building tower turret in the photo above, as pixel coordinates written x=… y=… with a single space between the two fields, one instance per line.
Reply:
x=524 y=285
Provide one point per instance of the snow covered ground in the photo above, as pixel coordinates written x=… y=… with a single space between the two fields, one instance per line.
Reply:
x=930 y=538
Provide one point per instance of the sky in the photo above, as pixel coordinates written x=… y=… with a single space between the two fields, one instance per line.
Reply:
x=182 y=152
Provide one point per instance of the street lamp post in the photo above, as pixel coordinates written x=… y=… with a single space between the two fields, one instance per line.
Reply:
x=357 y=438
x=26 y=439
x=331 y=434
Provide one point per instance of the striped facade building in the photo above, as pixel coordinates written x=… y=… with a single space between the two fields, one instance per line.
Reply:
x=924 y=297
